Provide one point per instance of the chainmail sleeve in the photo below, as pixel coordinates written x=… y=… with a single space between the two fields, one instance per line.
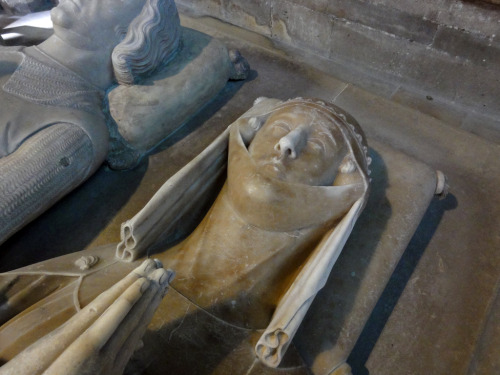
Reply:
x=44 y=168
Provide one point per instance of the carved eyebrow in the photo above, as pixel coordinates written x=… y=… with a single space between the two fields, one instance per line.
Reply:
x=282 y=124
x=317 y=141
x=322 y=130
x=329 y=136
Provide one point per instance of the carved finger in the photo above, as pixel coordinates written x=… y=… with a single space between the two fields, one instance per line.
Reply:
x=114 y=345
x=160 y=279
x=82 y=356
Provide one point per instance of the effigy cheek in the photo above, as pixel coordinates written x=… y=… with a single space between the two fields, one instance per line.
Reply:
x=347 y=165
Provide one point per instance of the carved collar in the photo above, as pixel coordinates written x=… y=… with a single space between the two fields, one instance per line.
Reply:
x=42 y=80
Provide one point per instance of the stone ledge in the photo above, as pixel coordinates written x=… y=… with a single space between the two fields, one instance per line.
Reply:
x=428 y=50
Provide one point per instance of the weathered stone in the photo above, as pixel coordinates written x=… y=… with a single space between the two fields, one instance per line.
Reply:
x=393 y=41
x=122 y=311
x=481 y=50
x=213 y=8
x=147 y=113
x=483 y=126
x=316 y=5
x=295 y=24
x=60 y=84
x=474 y=16
x=430 y=105
x=301 y=216
x=25 y=6
x=461 y=82
x=467 y=220
x=249 y=14
x=385 y=18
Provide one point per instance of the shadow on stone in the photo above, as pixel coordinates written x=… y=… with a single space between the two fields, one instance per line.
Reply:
x=205 y=113
x=397 y=283
x=72 y=223
x=184 y=339
x=321 y=337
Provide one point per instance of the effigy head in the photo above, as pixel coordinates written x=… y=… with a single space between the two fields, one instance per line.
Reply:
x=142 y=34
x=282 y=154
x=309 y=141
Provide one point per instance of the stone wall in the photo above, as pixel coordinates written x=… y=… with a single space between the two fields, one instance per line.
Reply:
x=447 y=50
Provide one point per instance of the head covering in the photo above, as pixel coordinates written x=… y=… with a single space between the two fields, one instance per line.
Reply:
x=294 y=304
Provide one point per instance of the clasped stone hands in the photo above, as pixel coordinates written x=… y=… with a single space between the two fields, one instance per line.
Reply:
x=102 y=336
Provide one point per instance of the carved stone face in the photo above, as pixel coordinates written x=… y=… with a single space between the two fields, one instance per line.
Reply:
x=299 y=144
x=94 y=21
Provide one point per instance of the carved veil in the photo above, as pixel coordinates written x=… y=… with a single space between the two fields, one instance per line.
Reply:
x=173 y=199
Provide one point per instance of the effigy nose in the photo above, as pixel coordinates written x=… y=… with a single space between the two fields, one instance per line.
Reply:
x=292 y=144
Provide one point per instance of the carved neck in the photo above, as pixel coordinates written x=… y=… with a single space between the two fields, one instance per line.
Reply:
x=92 y=65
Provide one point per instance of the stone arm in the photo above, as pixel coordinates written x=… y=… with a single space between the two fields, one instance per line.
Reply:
x=173 y=200
x=48 y=165
x=102 y=336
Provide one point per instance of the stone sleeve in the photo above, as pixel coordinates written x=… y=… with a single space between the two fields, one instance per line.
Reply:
x=42 y=170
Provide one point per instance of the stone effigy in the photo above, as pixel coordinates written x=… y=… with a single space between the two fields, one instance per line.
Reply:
x=297 y=180
x=53 y=132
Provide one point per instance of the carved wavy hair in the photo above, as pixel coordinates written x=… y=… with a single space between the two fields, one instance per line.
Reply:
x=152 y=39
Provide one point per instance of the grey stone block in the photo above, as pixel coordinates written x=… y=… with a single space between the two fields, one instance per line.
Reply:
x=413 y=65
x=385 y=18
x=380 y=16
x=430 y=105
x=211 y=8
x=316 y=5
x=473 y=16
x=463 y=83
x=485 y=127
x=295 y=24
x=402 y=44
x=369 y=48
x=477 y=48
x=249 y=14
